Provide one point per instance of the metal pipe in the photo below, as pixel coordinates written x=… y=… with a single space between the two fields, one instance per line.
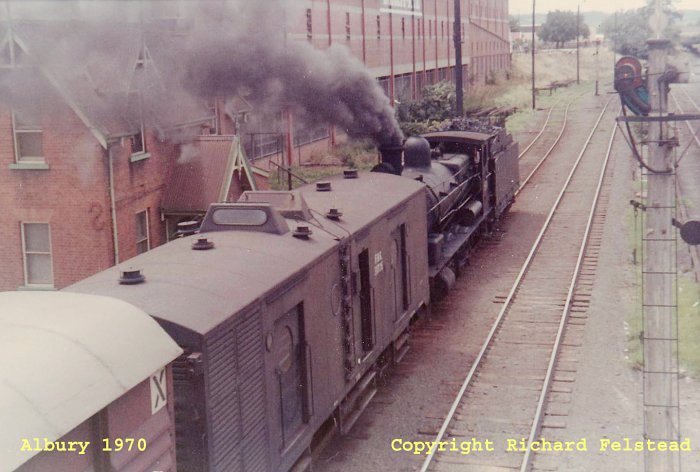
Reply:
x=459 y=84
x=113 y=205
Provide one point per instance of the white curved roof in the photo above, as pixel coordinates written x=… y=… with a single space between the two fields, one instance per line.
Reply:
x=64 y=357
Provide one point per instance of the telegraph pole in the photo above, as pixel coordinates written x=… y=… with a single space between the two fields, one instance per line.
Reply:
x=459 y=84
x=597 y=73
x=659 y=302
x=578 y=22
x=532 y=50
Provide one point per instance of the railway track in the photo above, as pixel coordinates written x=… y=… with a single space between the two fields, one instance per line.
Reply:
x=685 y=179
x=504 y=396
x=545 y=142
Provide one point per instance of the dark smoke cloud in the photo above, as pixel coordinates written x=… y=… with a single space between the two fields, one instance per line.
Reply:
x=326 y=85
x=222 y=48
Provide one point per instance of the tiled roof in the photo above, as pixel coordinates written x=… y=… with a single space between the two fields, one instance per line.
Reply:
x=199 y=175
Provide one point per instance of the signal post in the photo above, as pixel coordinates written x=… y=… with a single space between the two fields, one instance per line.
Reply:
x=659 y=299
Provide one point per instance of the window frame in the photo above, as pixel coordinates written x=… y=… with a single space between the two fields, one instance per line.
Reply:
x=147 y=237
x=19 y=159
x=25 y=252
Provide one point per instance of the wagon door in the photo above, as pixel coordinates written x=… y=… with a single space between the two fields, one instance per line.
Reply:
x=399 y=268
x=289 y=369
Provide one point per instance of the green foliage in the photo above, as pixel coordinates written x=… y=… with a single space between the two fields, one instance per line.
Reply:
x=437 y=104
x=629 y=30
x=560 y=26
x=514 y=23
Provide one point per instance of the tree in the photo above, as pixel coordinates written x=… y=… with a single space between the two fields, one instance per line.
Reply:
x=629 y=30
x=514 y=23
x=560 y=26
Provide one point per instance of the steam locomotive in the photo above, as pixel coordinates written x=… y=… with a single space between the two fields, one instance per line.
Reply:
x=287 y=306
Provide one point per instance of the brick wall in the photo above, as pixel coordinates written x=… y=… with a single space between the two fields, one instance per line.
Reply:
x=72 y=195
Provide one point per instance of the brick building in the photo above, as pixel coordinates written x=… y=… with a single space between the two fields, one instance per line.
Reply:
x=87 y=180
x=406 y=45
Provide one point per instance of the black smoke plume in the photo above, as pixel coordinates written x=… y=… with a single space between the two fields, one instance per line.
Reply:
x=253 y=54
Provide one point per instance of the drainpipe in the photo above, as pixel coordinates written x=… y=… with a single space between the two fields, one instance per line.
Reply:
x=113 y=205
x=391 y=59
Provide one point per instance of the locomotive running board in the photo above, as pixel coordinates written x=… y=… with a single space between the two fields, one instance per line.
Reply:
x=357 y=400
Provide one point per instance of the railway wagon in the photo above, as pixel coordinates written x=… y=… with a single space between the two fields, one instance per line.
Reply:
x=285 y=305
x=85 y=384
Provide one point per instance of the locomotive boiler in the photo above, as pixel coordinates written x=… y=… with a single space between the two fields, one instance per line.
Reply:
x=470 y=178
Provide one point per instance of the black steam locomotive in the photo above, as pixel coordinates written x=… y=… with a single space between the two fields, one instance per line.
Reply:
x=471 y=178
x=287 y=305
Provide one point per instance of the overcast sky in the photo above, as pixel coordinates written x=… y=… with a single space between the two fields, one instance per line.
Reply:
x=523 y=7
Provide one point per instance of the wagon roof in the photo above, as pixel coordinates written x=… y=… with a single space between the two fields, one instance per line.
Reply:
x=201 y=289
x=88 y=350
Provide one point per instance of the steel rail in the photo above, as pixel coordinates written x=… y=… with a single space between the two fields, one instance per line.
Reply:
x=546 y=122
x=693 y=133
x=506 y=304
x=544 y=127
x=539 y=412
x=694 y=251
x=549 y=151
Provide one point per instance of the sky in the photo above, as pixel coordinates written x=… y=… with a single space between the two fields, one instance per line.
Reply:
x=543 y=6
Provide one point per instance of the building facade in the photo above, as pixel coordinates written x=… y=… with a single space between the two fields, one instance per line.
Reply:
x=84 y=189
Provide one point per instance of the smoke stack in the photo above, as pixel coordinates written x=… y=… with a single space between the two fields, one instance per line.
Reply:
x=393 y=156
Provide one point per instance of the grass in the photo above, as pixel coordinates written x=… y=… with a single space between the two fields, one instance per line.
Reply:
x=361 y=155
x=688 y=315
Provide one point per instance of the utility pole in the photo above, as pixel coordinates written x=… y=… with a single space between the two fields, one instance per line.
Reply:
x=597 y=72
x=578 y=22
x=459 y=83
x=532 y=50
x=659 y=302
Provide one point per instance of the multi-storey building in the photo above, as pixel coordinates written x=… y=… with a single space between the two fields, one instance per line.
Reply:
x=87 y=180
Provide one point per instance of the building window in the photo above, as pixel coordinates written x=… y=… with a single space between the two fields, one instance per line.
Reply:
x=138 y=139
x=379 y=27
x=28 y=137
x=36 y=249
x=442 y=29
x=347 y=26
x=138 y=142
x=430 y=28
x=403 y=28
x=143 y=242
x=309 y=30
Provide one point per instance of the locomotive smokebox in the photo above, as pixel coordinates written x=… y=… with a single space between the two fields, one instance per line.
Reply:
x=417 y=152
x=392 y=160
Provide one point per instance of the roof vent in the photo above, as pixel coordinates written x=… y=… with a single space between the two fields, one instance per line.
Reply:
x=350 y=174
x=323 y=187
x=334 y=214
x=202 y=244
x=187 y=228
x=302 y=232
x=131 y=277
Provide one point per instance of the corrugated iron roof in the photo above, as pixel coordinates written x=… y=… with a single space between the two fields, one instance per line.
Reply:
x=64 y=357
x=198 y=175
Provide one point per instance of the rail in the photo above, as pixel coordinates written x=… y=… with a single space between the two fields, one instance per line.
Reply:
x=685 y=212
x=509 y=299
